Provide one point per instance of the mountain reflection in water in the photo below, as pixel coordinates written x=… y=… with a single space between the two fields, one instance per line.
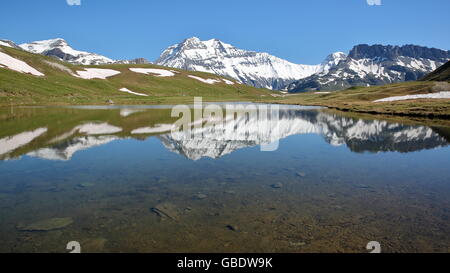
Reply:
x=359 y=135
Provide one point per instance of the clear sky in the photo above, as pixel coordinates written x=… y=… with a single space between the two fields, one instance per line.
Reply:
x=297 y=30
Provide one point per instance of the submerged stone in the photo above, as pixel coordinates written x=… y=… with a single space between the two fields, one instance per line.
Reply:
x=200 y=196
x=167 y=210
x=47 y=225
x=297 y=244
x=232 y=228
x=277 y=186
x=86 y=185
x=363 y=186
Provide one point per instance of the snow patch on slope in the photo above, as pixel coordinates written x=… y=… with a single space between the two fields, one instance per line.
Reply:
x=150 y=71
x=208 y=81
x=97 y=73
x=228 y=82
x=440 y=95
x=133 y=93
x=18 y=65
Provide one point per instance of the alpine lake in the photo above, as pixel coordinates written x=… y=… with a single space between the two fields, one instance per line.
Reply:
x=119 y=179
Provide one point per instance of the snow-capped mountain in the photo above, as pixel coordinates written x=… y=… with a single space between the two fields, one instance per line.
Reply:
x=364 y=66
x=8 y=43
x=60 y=49
x=374 y=65
x=248 y=67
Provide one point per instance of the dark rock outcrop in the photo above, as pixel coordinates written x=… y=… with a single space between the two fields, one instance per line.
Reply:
x=375 y=65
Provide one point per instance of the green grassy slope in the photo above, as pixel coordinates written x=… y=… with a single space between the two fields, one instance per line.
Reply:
x=361 y=99
x=60 y=87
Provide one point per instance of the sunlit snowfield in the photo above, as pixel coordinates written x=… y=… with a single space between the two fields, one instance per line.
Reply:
x=116 y=180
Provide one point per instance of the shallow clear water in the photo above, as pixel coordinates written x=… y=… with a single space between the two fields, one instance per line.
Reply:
x=126 y=184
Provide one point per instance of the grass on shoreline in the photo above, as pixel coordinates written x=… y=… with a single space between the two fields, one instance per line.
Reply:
x=361 y=100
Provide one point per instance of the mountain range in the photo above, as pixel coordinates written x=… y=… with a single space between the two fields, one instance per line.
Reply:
x=249 y=67
x=365 y=65
x=375 y=65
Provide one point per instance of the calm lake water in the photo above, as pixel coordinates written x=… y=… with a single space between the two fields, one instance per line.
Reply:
x=116 y=179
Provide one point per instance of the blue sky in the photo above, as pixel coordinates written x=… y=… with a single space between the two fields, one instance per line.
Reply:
x=299 y=31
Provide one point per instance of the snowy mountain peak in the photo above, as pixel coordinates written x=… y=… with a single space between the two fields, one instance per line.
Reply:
x=58 y=42
x=39 y=47
x=194 y=43
x=249 y=67
x=332 y=61
x=190 y=43
x=218 y=44
x=192 y=39
x=8 y=43
x=337 y=56
x=60 y=49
